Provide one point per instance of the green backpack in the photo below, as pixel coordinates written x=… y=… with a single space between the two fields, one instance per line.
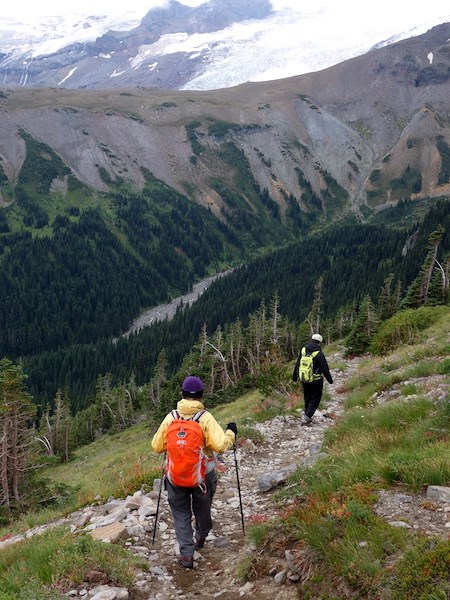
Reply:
x=305 y=369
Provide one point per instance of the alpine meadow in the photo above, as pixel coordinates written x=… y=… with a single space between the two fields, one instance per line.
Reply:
x=321 y=203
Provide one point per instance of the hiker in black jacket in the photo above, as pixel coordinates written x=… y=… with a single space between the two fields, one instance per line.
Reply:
x=313 y=391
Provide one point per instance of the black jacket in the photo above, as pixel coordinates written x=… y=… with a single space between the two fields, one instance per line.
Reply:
x=320 y=364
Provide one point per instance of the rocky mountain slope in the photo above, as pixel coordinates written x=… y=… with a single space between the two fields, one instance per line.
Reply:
x=368 y=132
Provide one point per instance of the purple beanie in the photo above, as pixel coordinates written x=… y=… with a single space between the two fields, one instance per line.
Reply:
x=192 y=387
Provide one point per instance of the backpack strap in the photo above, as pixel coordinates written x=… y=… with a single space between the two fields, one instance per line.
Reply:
x=316 y=374
x=314 y=353
x=198 y=415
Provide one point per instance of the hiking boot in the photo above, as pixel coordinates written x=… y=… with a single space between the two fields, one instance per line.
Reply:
x=199 y=543
x=306 y=421
x=186 y=561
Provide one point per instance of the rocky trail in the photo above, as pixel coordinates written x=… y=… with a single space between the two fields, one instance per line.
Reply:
x=261 y=468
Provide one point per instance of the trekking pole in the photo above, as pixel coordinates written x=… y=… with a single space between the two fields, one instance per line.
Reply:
x=157 y=506
x=239 y=489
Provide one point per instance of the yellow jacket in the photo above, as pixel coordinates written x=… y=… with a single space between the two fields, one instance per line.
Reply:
x=216 y=439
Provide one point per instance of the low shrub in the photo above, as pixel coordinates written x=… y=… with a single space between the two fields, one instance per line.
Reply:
x=403 y=328
x=422 y=573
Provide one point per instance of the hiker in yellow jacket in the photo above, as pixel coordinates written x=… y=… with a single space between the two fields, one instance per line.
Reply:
x=184 y=501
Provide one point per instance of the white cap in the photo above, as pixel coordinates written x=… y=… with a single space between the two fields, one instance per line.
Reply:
x=317 y=337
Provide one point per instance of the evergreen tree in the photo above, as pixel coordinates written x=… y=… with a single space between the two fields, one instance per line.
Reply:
x=418 y=291
x=16 y=412
x=439 y=284
x=63 y=426
x=388 y=300
x=159 y=378
x=255 y=339
x=304 y=332
x=104 y=400
x=366 y=325
x=328 y=330
x=317 y=306
x=344 y=320
x=85 y=424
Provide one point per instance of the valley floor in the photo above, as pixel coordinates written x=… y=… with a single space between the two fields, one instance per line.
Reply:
x=168 y=311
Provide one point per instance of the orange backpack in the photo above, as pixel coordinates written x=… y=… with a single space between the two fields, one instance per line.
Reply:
x=185 y=460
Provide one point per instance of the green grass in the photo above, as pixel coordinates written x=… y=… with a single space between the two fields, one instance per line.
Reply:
x=106 y=466
x=424 y=568
x=427 y=356
x=242 y=410
x=114 y=465
x=396 y=443
x=30 y=569
x=402 y=442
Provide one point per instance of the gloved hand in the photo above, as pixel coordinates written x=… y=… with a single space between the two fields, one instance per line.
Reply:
x=232 y=427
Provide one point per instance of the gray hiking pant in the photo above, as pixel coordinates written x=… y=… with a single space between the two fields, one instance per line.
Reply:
x=183 y=503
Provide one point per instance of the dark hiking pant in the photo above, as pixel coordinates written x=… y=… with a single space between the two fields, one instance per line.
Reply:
x=185 y=502
x=312 y=393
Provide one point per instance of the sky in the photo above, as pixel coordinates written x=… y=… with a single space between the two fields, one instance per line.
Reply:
x=23 y=9
x=373 y=13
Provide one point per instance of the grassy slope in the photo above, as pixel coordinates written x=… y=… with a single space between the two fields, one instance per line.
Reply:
x=393 y=435
x=364 y=454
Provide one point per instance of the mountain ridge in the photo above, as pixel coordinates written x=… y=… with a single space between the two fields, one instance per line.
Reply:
x=364 y=124
x=184 y=184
